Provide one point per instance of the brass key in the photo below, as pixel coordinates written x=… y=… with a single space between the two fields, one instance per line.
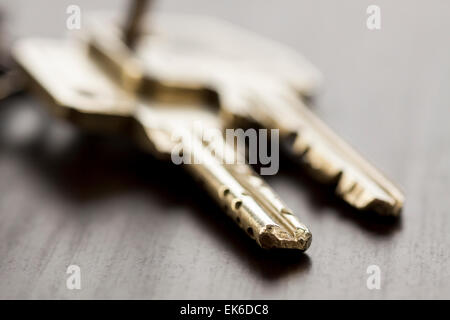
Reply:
x=79 y=89
x=257 y=81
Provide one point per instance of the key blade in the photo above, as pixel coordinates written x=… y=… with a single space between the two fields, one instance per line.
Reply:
x=245 y=197
x=329 y=157
x=250 y=202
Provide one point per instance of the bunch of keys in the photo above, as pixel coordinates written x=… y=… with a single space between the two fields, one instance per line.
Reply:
x=150 y=85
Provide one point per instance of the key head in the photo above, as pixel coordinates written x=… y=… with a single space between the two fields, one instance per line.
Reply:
x=75 y=88
x=203 y=58
x=199 y=51
x=204 y=43
x=80 y=90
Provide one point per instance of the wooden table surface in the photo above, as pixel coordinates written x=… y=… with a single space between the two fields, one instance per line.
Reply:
x=139 y=228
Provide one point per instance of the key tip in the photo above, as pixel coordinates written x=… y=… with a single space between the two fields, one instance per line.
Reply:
x=274 y=237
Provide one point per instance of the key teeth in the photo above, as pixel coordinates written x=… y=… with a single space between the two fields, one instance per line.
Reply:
x=274 y=237
x=355 y=195
x=352 y=193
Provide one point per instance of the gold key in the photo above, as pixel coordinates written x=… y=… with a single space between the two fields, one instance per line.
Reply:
x=78 y=89
x=257 y=81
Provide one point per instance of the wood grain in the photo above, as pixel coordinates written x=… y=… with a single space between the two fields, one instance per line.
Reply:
x=139 y=228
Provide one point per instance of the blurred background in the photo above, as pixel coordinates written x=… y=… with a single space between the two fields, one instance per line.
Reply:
x=139 y=228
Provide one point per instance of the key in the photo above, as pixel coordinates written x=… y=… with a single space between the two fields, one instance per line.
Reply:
x=257 y=82
x=78 y=89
